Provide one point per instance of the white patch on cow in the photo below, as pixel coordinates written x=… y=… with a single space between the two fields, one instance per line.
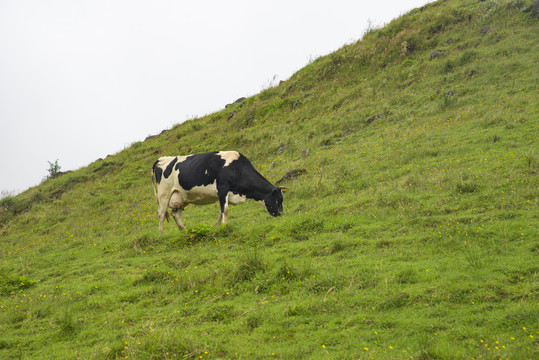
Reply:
x=229 y=156
x=182 y=158
x=164 y=161
x=235 y=199
x=201 y=195
x=206 y=172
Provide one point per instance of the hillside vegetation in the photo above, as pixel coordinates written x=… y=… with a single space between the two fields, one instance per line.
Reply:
x=412 y=234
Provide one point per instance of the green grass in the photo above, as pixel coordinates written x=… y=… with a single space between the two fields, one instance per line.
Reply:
x=412 y=234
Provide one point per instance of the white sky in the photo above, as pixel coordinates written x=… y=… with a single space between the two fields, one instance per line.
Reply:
x=83 y=79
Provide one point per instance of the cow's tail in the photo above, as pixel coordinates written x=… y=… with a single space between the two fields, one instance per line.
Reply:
x=154 y=186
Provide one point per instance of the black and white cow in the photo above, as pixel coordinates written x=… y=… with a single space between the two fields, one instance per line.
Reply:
x=202 y=179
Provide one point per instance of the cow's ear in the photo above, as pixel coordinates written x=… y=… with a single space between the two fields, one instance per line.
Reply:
x=282 y=188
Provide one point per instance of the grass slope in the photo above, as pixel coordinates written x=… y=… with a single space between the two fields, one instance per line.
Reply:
x=412 y=234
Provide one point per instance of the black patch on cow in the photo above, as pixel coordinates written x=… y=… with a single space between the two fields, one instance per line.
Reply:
x=158 y=172
x=169 y=168
x=199 y=170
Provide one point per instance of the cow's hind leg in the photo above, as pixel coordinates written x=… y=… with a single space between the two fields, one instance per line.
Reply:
x=177 y=215
x=162 y=214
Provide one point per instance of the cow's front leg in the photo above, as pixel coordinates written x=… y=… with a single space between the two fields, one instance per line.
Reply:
x=177 y=215
x=225 y=211
x=223 y=207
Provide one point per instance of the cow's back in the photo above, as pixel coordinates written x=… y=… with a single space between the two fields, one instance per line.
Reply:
x=199 y=170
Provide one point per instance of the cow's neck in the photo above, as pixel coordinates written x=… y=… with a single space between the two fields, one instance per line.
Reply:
x=256 y=188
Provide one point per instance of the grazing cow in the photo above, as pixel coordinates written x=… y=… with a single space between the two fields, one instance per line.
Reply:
x=202 y=179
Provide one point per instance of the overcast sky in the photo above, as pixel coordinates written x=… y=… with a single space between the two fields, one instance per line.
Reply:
x=83 y=79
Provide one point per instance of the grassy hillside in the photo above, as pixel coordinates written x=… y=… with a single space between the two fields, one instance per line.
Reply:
x=412 y=233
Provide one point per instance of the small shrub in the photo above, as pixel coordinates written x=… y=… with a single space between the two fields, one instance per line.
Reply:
x=5 y=216
x=253 y=321
x=490 y=7
x=194 y=235
x=473 y=256
x=142 y=241
x=4 y=195
x=407 y=48
x=293 y=310
x=106 y=167
x=197 y=126
x=6 y=344
x=337 y=246
x=448 y=101
x=155 y=276
x=99 y=201
x=54 y=169
x=10 y=284
x=320 y=285
x=436 y=28
x=15 y=317
x=530 y=161
x=220 y=313
x=467 y=57
x=302 y=229
x=160 y=344
x=427 y=350
x=249 y=267
x=69 y=326
x=459 y=296
x=466 y=187
x=42 y=313
x=448 y=66
x=396 y=301
x=408 y=276
x=366 y=278
x=13 y=205
x=287 y=273
x=382 y=244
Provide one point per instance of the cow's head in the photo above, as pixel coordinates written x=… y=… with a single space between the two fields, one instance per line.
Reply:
x=274 y=201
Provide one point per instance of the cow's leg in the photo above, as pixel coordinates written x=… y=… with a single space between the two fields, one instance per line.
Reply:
x=175 y=202
x=223 y=205
x=219 y=219
x=177 y=215
x=223 y=213
x=162 y=213
x=162 y=210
